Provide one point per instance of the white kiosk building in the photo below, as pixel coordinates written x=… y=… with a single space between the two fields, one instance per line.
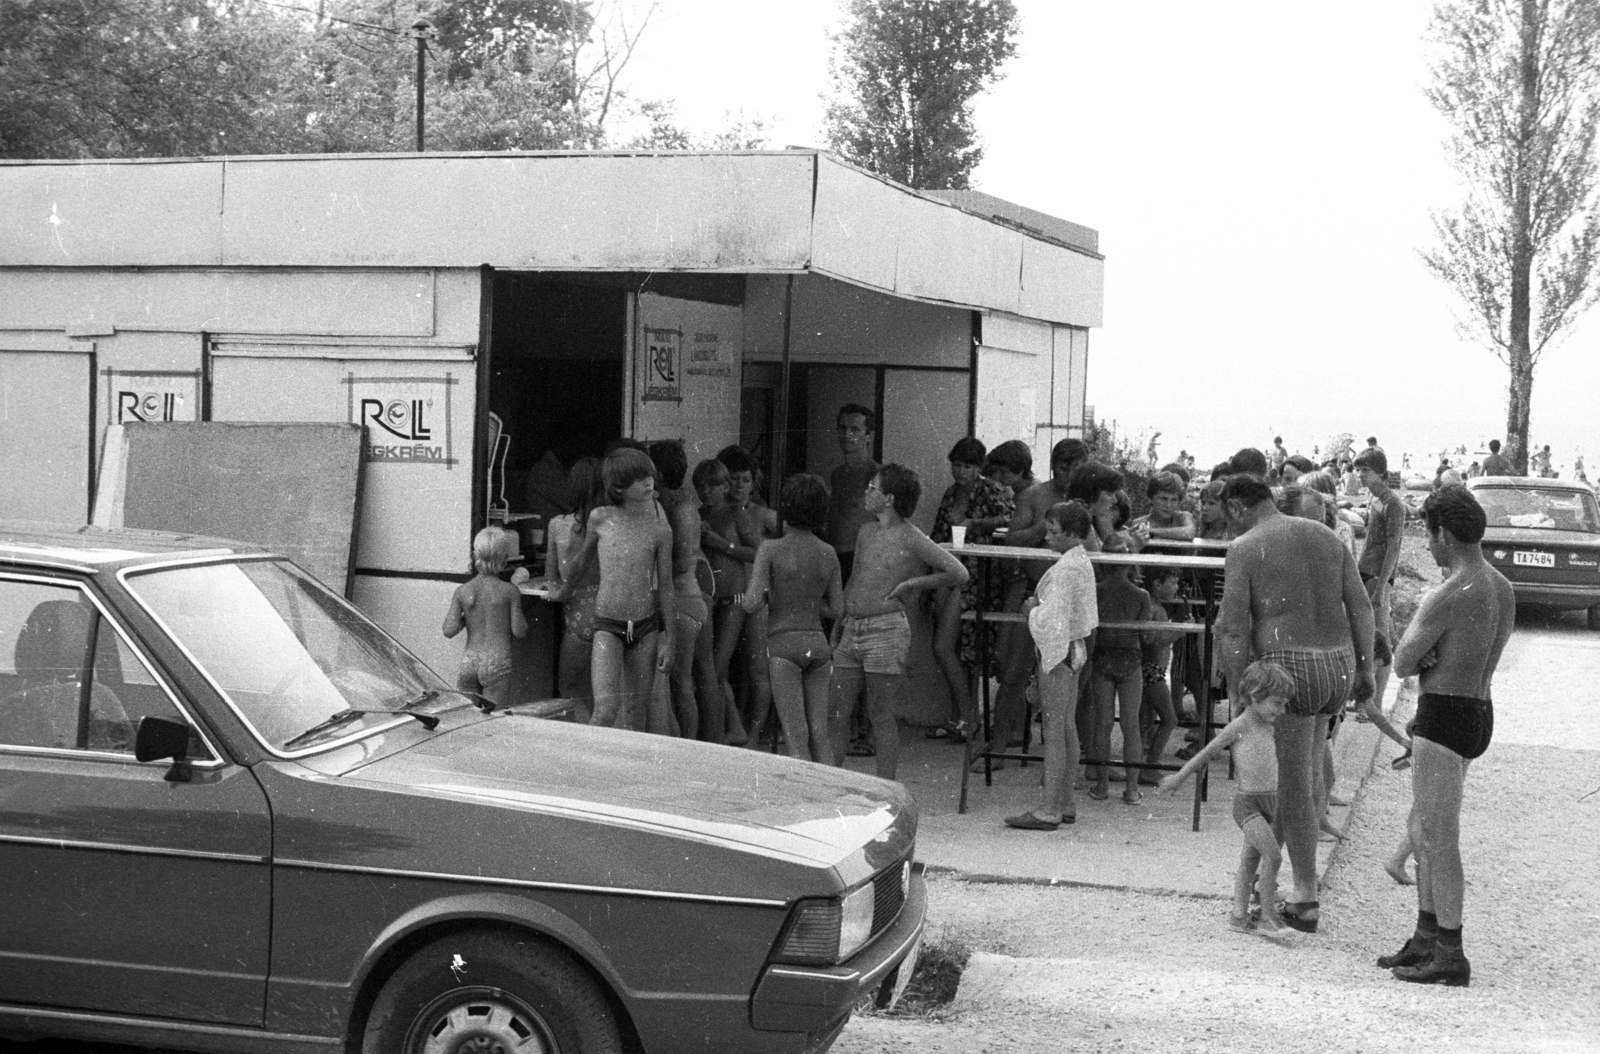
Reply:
x=559 y=299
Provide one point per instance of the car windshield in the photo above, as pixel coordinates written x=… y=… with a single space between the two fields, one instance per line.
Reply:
x=1555 y=510
x=288 y=653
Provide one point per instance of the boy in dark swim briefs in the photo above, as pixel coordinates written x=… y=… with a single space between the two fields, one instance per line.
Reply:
x=635 y=610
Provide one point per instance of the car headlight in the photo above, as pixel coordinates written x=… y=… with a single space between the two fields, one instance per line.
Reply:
x=824 y=932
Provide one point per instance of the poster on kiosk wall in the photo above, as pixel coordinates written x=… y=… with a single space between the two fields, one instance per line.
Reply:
x=151 y=396
x=407 y=419
x=687 y=374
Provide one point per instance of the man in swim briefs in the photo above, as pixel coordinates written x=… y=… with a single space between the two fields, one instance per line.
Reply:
x=1291 y=595
x=1453 y=645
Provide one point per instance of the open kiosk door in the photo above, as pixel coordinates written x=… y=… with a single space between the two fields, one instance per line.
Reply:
x=417 y=405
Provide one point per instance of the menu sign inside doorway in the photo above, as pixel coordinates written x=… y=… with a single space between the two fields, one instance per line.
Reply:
x=663 y=372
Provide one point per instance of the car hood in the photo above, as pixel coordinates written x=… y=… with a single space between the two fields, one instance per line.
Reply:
x=809 y=812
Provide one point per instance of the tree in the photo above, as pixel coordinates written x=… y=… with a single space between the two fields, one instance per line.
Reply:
x=662 y=132
x=1519 y=83
x=135 y=78
x=480 y=33
x=905 y=73
x=161 y=78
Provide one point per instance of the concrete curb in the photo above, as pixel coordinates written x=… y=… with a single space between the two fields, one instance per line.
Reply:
x=978 y=878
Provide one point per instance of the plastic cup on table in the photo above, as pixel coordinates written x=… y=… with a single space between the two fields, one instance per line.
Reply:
x=958 y=536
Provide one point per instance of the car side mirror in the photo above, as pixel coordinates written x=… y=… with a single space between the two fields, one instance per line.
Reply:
x=159 y=738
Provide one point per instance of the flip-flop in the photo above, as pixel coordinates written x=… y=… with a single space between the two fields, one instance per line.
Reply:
x=1029 y=822
x=1135 y=799
x=859 y=749
x=1099 y=795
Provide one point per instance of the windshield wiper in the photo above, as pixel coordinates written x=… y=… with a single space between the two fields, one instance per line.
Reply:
x=474 y=698
x=428 y=720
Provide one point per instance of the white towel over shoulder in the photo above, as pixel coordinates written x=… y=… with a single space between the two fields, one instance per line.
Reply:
x=1067 y=609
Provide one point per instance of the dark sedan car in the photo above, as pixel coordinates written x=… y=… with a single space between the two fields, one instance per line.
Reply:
x=235 y=815
x=1544 y=536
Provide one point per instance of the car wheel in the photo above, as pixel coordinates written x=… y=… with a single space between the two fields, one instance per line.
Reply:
x=491 y=992
x=1594 y=617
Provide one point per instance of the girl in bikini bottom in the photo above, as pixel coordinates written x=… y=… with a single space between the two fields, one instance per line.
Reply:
x=805 y=649
x=1455 y=722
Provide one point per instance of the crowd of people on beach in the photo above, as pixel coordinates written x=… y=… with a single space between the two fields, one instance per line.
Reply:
x=692 y=608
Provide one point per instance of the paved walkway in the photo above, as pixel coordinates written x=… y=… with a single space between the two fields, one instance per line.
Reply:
x=1149 y=846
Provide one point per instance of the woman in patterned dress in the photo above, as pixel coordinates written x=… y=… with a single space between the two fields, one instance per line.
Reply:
x=980 y=504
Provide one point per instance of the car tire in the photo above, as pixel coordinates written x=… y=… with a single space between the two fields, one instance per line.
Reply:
x=1594 y=617
x=491 y=991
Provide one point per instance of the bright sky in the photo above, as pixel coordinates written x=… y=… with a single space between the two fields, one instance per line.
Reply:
x=1261 y=176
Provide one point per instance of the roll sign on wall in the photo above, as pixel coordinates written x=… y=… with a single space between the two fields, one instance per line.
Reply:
x=663 y=365
x=151 y=395
x=406 y=419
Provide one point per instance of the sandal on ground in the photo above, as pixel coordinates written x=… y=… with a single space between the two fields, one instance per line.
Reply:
x=1029 y=822
x=950 y=732
x=1099 y=793
x=1300 y=915
x=1132 y=799
x=862 y=749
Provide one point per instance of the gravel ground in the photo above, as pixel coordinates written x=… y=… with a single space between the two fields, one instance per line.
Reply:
x=1102 y=970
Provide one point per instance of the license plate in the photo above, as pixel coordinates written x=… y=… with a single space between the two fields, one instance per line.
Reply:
x=895 y=986
x=1533 y=559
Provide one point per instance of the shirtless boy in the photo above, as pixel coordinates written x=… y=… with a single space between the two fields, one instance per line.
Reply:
x=1116 y=680
x=1380 y=553
x=1453 y=645
x=894 y=560
x=1291 y=595
x=635 y=610
x=797 y=578
x=1167 y=518
x=1265 y=689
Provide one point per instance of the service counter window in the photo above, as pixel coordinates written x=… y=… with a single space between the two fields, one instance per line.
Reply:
x=579 y=360
x=558 y=350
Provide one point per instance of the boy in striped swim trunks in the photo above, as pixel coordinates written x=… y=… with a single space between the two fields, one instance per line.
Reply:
x=1266 y=690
